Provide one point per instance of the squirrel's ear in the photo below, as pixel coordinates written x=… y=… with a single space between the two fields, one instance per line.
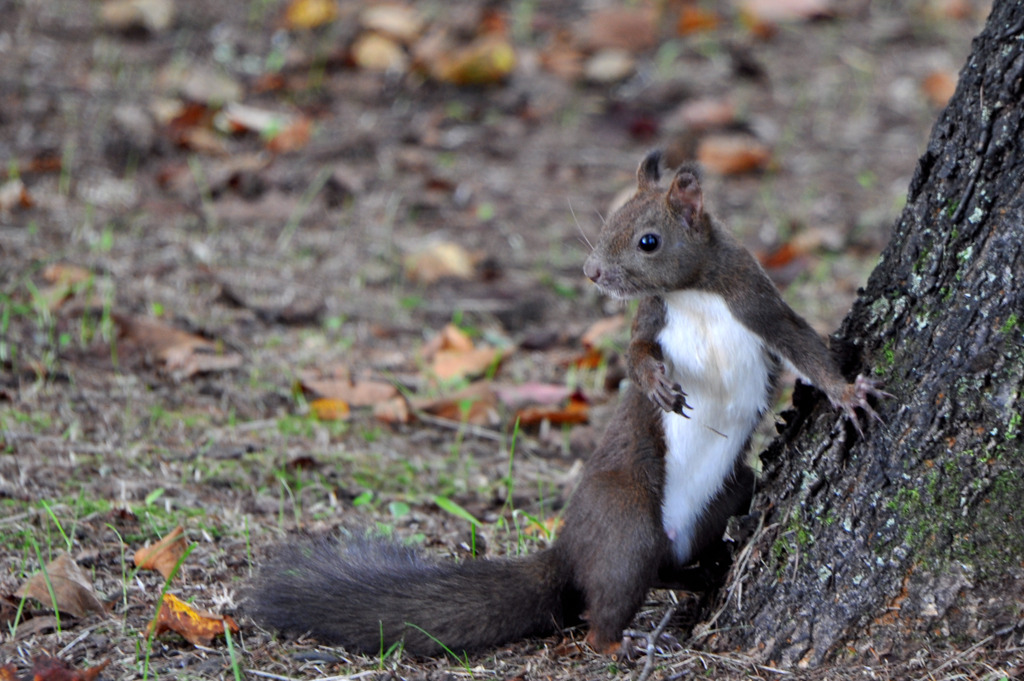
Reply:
x=649 y=172
x=685 y=197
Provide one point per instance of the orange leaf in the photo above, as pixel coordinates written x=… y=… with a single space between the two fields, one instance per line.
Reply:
x=196 y=626
x=939 y=87
x=455 y=339
x=575 y=411
x=292 y=137
x=475 y=404
x=550 y=527
x=163 y=555
x=449 y=364
x=72 y=590
x=696 y=20
x=330 y=409
x=590 y=359
x=310 y=13
x=731 y=154
x=454 y=355
x=781 y=256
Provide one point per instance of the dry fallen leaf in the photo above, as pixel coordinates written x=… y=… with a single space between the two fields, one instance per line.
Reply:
x=475 y=404
x=943 y=10
x=72 y=590
x=154 y=16
x=453 y=364
x=437 y=261
x=547 y=528
x=306 y=14
x=760 y=12
x=181 y=353
x=64 y=273
x=378 y=52
x=488 y=59
x=939 y=87
x=454 y=355
x=64 y=280
x=359 y=393
x=46 y=668
x=562 y=57
x=731 y=154
x=164 y=555
x=454 y=339
x=292 y=137
x=609 y=66
x=516 y=396
x=591 y=358
x=14 y=195
x=330 y=409
x=198 y=627
x=395 y=410
x=237 y=117
x=702 y=114
x=781 y=256
x=693 y=19
x=199 y=83
x=633 y=29
x=401 y=22
x=576 y=411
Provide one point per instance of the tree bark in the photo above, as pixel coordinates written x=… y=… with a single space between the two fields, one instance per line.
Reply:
x=914 y=534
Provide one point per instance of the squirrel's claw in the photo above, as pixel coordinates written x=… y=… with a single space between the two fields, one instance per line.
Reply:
x=669 y=396
x=855 y=397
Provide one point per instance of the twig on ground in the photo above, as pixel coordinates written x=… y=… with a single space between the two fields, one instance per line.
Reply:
x=952 y=659
x=652 y=641
x=735 y=590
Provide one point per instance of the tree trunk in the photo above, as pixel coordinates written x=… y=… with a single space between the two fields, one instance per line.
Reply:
x=914 y=534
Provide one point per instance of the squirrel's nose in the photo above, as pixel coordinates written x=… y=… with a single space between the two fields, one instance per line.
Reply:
x=592 y=270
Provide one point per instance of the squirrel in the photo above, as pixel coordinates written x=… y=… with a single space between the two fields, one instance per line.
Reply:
x=654 y=496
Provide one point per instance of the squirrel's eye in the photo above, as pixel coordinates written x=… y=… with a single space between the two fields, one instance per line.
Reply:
x=649 y=243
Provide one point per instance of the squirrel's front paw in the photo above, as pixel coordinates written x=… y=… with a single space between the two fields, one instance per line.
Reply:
x=855 y=397
x=668 y=395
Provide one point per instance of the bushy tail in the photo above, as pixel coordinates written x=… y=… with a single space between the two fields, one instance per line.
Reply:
x=367 y=594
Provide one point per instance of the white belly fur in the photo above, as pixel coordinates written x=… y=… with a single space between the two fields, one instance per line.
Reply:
x=723 y=369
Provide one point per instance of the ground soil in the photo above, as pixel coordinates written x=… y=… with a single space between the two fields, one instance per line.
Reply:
x=293 y=260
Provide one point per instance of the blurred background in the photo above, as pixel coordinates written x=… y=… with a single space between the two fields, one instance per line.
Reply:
x=301 y=264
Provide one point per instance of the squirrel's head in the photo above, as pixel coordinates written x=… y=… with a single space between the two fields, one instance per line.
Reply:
x=656 y=242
